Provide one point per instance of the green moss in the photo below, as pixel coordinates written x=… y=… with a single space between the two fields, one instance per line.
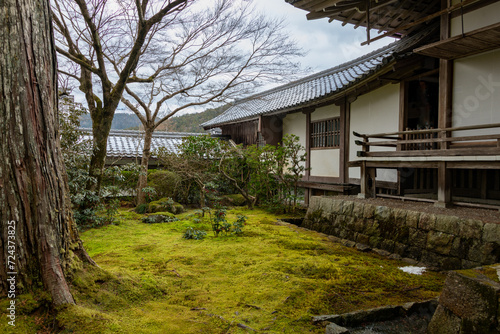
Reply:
x=273 y=279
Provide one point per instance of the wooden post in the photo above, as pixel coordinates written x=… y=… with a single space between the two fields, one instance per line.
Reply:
x=444 y=185
x=367 y=181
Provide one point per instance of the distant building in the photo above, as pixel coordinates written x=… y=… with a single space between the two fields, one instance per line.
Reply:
x=125 y=146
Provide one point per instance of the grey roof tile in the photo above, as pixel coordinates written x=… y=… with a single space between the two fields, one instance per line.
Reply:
x=316 y=86
x=129 y=144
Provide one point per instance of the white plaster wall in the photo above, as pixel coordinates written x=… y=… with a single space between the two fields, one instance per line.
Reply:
x=374 y=112
x=476 y=92
x=476 y=19
x=325 y=162
x=325 y=112
x=296 y=124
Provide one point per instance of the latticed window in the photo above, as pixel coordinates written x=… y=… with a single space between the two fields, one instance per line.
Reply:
x=325 y=133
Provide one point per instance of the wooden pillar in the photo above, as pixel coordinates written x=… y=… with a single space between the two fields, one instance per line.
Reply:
x=307 y=192
x=367 y=181
x=345 y=113
x=445 y=82
x=444 y=185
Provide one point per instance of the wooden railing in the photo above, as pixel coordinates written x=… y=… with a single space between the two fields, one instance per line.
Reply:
x=432 y=142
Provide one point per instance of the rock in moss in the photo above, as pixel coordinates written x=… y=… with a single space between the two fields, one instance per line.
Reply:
x=233 y=200
x=166 y=217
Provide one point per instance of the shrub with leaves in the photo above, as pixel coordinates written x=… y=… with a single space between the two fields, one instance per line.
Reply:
x=239 y=224
x=191 y=233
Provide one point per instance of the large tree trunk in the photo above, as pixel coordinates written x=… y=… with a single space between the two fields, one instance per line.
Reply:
x=143 y=175
x=37 y=229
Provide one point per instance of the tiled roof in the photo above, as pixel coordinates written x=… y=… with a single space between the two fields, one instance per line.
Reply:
x=129 y=143
x=317 y=86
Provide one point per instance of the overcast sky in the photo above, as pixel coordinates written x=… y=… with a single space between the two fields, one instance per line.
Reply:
x=329 y=44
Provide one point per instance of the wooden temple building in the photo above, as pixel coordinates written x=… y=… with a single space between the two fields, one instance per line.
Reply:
x=417 y=119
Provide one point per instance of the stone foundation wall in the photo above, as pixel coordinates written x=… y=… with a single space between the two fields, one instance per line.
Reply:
x=444 y=242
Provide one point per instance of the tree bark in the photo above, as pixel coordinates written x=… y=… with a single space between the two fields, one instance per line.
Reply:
x=38 y=235
x=143 y=175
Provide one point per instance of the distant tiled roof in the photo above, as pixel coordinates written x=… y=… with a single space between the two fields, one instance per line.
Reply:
x=317 y=86
x=129 y=143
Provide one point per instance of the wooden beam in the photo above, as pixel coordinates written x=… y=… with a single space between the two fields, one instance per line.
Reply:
x=422 y=20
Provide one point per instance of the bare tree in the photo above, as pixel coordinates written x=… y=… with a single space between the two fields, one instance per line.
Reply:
x=205 y=56
x=89 y=34
x=38 y=239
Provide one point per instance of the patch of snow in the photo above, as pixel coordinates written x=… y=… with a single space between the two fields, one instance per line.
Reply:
x=413 y=270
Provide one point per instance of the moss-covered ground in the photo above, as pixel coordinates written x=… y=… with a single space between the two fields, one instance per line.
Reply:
x=272 y=279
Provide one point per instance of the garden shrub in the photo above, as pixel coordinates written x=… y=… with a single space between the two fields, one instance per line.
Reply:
x=164 y=182
x=191 y=233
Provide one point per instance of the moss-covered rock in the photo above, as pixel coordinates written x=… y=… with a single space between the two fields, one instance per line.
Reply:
x=165 y=204
x=233 y=200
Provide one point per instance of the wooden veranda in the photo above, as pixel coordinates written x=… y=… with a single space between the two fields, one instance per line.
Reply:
x=461 y=164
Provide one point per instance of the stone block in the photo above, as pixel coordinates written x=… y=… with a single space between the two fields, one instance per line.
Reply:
x=439 y=242
x=450 y=263
x=326 y=205
x=337 y=206
x=491 y=233
x=412 y=218
x=447 y=224
x=358 y=210
x=400 y=217
x=444 y=322
x=350 y=223
x=363 y=239
x=427 y=222
x=387 y=245
x=471 y=229
x=414 y=252
x=417 y=238
x=431 y=259
x=333 y=238
x=484 y=253
x=333 y=328
x=347 y=208
x=348 y=243
x=372 y=228
x=314 y=202
x=363 y=247
x=359 y=225
x=473 y=298
x=383 y=213
x=400 y=248
x=381 y=252
x=460 y=247
x=375 y=241
x=369 y=211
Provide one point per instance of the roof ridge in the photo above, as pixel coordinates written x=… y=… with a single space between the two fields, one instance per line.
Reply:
x=403 y=42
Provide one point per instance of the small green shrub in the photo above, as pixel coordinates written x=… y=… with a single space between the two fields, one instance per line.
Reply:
x=191 y=233
x=142 y=208
x=164 y=182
